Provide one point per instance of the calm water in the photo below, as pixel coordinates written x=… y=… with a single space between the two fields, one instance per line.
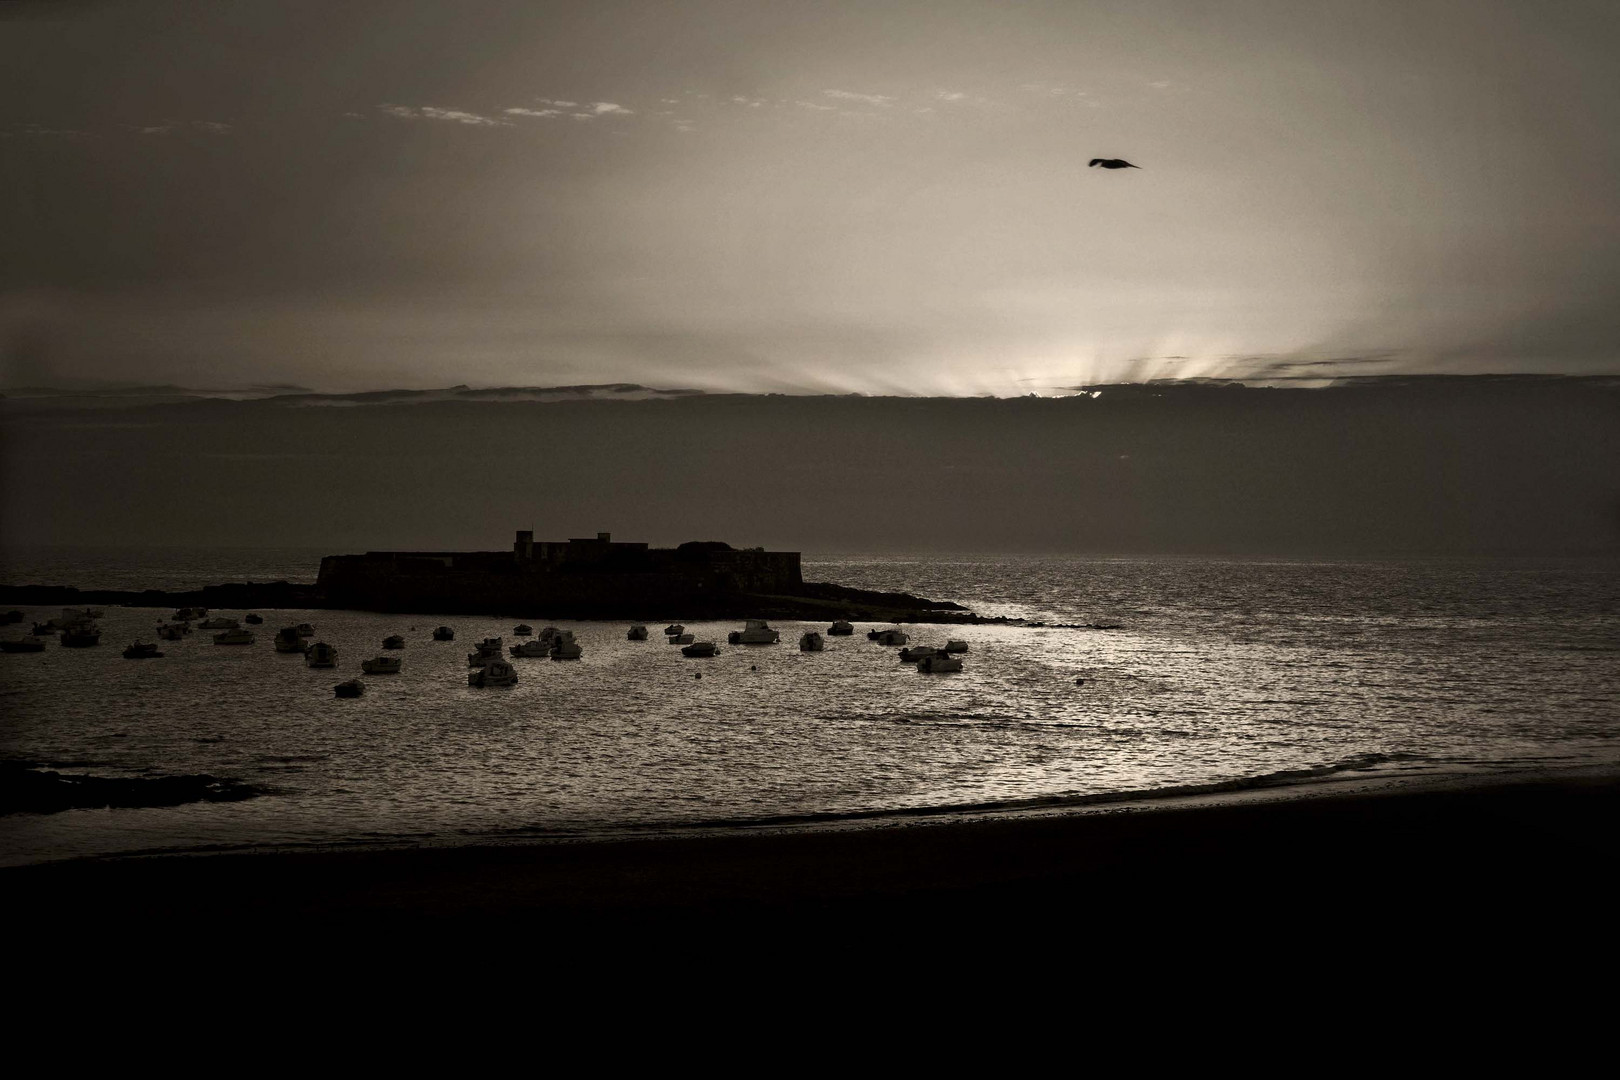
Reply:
x=1225 y=672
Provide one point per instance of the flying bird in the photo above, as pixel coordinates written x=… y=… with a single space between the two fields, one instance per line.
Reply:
x=1112 y=163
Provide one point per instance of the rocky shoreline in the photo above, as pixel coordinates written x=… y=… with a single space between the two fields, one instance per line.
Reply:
x=813 y=600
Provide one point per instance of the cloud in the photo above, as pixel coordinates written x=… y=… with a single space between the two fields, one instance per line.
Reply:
x=213 y=127
x=603 y=108
x=532 y=112
x=950 y=95
x=559 y=104
x=433 y=112
x=880 y=100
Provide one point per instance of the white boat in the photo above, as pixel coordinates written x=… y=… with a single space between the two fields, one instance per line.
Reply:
x=938 y=663
x=381 y=665
x=531 y=649
x=841 y=628
x=812 y=642
x=636 y=633
x=891 y=637
x=321 y=654
x=219 y=623
x=956 y=645
x=234 y=637
x=680 y=639
x=495 y=673
x=754 y=632
x=701 y=648
x=564 y=647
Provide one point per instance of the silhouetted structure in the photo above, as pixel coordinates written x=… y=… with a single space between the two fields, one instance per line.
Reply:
x=1112 y=163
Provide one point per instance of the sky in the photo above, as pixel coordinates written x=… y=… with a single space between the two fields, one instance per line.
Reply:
x=884 y=198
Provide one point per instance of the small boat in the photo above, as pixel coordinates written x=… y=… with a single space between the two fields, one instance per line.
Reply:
x=381 y=665
x=219 y=623
x=531 y=649
x=674 y=630
x=142 y=650
x=252 y=619
x=956 y=645
x=841 y=628
x=80 y=636
x=916 y=653
x=393 y=641
x=352 y=688
x=30 y=643
x=171 y=631
x=564 y=647
x=11 y=617
x=522 y=630
x=79 y=615
x=890 y=637
x=288 y=641
x=234 y=637
x=939 y=663
x=190 y=614
x=701 y=648
x=495 y=673
x=305 y=629
x=754 y=632
x=812 y=642
x=636 y=633
x=47 y=628
x=487 y=650
x=444 y=633
x=680 y=639
x=320 y=654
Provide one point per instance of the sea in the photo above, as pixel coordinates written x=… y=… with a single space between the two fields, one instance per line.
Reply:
x=1133 y=680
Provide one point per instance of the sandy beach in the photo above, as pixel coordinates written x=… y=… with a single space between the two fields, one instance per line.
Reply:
x=1514 y=851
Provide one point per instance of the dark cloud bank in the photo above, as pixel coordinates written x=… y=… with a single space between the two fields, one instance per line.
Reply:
x=1466 y=465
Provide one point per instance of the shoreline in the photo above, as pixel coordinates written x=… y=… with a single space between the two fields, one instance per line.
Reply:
x=1528 y=841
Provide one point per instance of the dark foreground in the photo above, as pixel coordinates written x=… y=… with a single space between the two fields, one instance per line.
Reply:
x=1521 y=857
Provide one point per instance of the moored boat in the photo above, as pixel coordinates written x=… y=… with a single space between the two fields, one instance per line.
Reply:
x=956 y=645
x=142 y=650
x=288 y=641
x=495 y=673
x=636 y=633
x=680 y=639
x=252 y=619
x=916 y=653
x=352 y=688
x=80 y=636
x=28 y=643
x=171 y=631
x=444 y=633
x=674 y=630
x=234 y=637
x=218 y=623
x=564 y=647
x=522 y=630
x=305 y=629
x=939 y=663
x=841 y=628
x=701 y=648
x=531 y=649
x=321 y=654
x=393 y=641
x=812 y=642
x=889 y=637
x=754 y=632
x=381 y=665
x=487 y=650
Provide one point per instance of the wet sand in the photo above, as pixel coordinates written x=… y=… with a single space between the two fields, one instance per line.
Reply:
x=1511 y=853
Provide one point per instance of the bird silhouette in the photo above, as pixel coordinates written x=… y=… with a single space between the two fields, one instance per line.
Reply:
x=1112 y=163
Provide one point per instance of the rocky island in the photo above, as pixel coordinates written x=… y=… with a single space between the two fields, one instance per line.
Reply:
x=582 y=578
